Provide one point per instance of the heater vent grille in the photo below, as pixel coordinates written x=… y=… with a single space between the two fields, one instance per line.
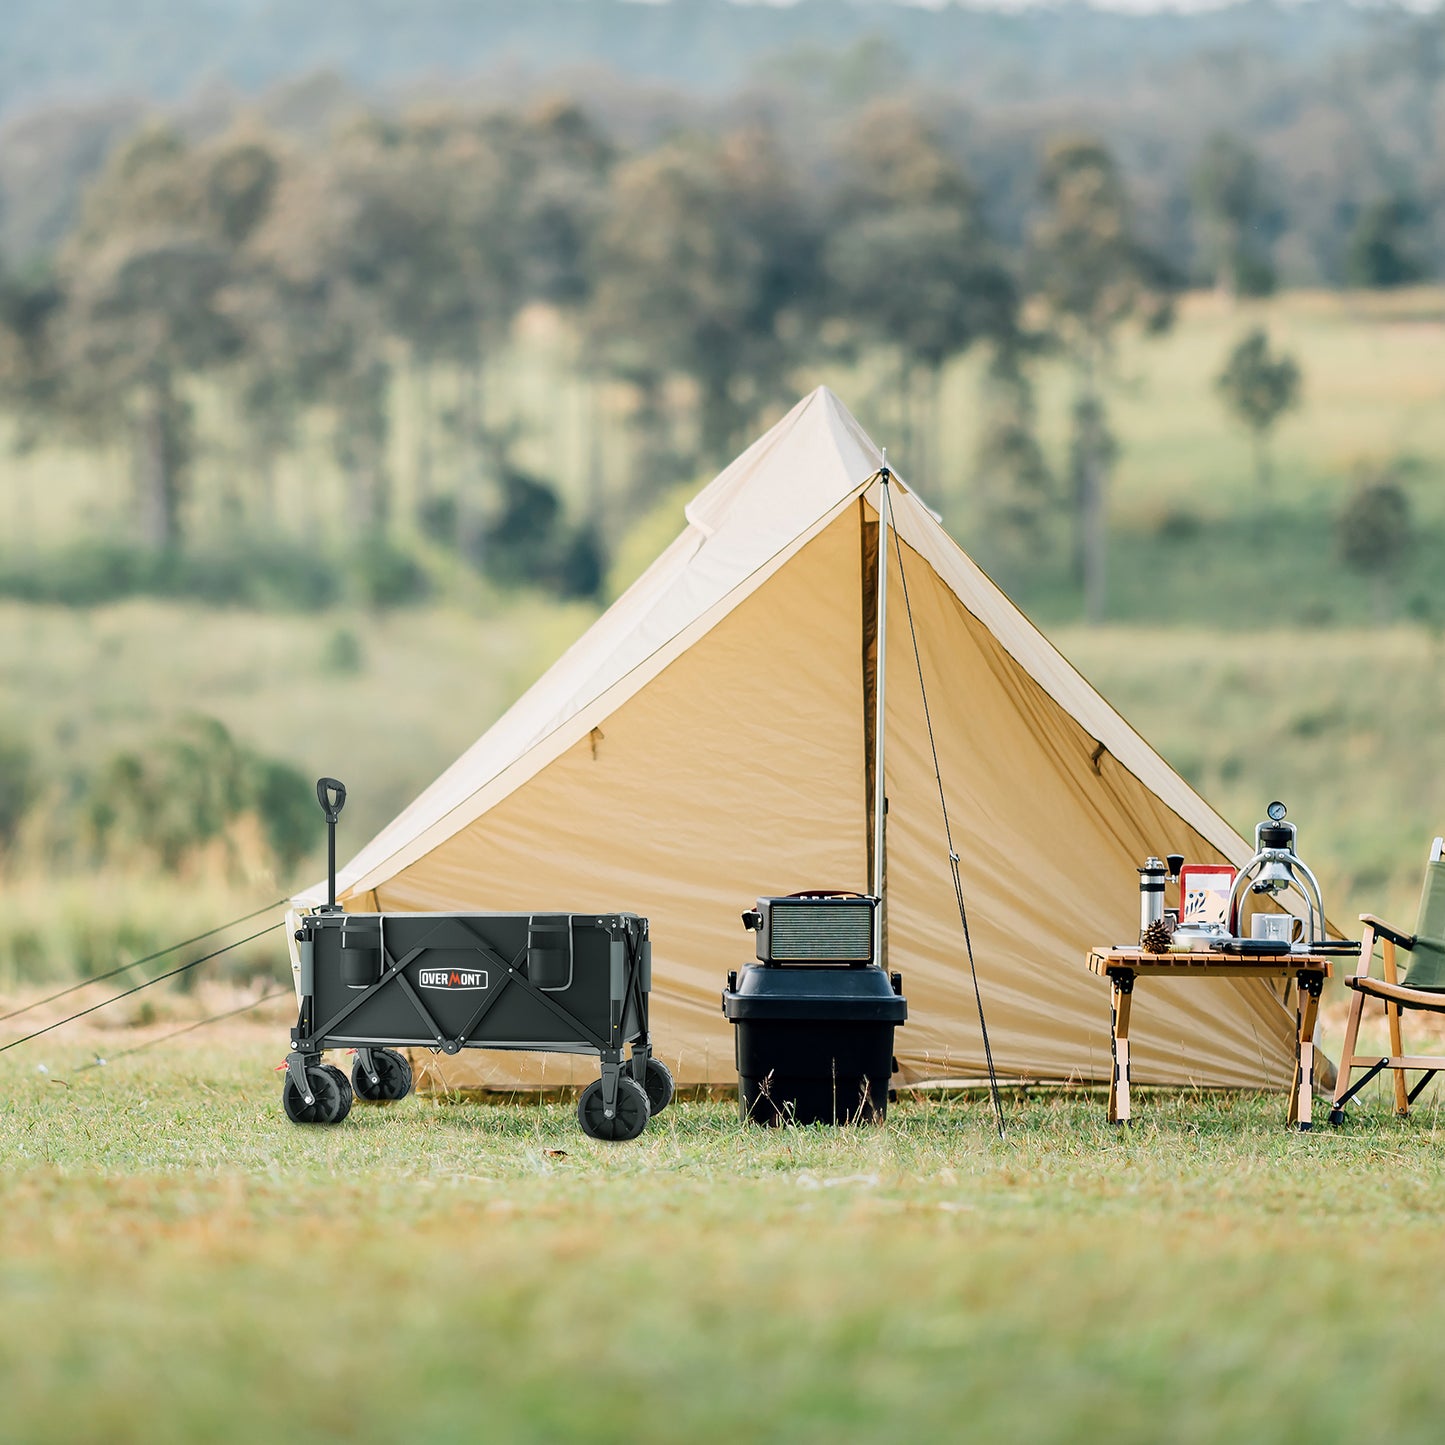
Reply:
x=832 y=932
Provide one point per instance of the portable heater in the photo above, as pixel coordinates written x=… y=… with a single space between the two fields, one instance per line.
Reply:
x=803 y=928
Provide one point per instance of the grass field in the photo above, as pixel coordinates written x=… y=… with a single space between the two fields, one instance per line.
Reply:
x=180 y=1263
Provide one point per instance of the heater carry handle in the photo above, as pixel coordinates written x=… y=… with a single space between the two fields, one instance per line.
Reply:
x=331 y=794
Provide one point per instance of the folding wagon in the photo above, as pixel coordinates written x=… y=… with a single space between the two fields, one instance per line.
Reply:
x=573 y=983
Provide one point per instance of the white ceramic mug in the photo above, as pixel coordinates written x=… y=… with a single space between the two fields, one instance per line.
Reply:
x=1277 y=927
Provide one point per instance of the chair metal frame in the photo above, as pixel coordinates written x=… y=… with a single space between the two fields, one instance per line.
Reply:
x=1396 y=998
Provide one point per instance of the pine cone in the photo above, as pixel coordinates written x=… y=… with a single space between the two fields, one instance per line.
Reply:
x=1155 y=938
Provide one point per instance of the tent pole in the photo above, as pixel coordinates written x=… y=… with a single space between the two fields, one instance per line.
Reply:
x=880 y=801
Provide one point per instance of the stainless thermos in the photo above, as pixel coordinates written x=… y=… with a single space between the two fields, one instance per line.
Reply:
x=1152 y=877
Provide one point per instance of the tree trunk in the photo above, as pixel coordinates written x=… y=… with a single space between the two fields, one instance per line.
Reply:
x=930 y=443
x=1263 y=468
x=718 y=416
x=1091 y=462
x=1095 y=528
x=360 y=442
x=471 y=532
x=422 y=421
x=596 y=478
x=160 y=456
x=1380 y=597
x=905 y=414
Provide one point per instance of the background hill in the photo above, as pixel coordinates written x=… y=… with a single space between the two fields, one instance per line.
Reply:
x=162 y=49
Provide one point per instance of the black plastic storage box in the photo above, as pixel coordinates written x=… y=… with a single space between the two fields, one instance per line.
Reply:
x=814 y=1038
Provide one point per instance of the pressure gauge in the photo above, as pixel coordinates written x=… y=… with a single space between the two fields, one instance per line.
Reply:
x=1277 y=811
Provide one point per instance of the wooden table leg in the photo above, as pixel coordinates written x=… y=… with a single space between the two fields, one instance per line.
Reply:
x=1121 y=995
x=1308 y=986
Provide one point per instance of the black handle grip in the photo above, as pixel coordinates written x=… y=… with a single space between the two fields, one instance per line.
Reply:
x=331 y=794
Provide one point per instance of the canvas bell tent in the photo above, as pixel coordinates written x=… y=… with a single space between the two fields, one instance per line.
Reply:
x=710 y=739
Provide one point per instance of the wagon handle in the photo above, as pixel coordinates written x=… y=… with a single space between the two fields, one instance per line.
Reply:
x=331 y=794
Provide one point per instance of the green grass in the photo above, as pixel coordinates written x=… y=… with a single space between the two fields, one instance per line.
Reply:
x=78 y=686
x=1343 y=724
x=180 y=1263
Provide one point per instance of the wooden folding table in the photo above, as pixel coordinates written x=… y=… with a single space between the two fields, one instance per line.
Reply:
x=1121 y=966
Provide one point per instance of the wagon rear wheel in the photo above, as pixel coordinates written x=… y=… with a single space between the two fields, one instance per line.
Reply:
x=631 y=1115
x=343 y=1084
x=393 y=1077
x=657 y=1080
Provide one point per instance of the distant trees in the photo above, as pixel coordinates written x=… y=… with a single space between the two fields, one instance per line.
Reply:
x=1385 y=245
x=704 y=268
x=1373 y=533
x=185 y=793
x=17 y=787
x=146 y=284
x=1015 y=481
x=909 y=261
x=1259 y=386
x=1092 y=274
x=300 y=282
x=225 y=307
x=1240 y=216
x=28 y=377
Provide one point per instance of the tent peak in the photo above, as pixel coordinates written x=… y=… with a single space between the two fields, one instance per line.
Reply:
x=795 y=473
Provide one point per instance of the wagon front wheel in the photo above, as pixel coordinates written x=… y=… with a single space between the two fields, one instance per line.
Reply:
x=629 y=1119
x=328 y=1104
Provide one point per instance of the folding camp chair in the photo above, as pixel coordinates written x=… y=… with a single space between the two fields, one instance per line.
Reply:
x=1423 y=988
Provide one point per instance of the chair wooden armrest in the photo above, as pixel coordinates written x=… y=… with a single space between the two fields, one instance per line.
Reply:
x=1399 y=993
x=1386 y=930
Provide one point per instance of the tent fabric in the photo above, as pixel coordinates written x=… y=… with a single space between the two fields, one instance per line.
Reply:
x=707 y=742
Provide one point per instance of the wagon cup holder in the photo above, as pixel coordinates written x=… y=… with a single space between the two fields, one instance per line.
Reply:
x=360 y=951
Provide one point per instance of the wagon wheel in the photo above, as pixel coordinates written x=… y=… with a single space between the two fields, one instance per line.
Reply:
x=630 y=1118
x=329 y=1104
x=657 y=1080
x=344 y=1084
x=393 y=1077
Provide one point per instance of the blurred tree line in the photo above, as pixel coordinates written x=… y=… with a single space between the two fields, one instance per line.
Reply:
x=302 y=272
x=250 y=280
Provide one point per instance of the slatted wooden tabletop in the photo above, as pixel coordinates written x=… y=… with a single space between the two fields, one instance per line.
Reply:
x=1192 y=965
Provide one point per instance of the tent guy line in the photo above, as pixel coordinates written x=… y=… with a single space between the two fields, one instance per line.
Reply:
x=137 y=962
x=953 y=859
x=159 y=978
x=245 y=1008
